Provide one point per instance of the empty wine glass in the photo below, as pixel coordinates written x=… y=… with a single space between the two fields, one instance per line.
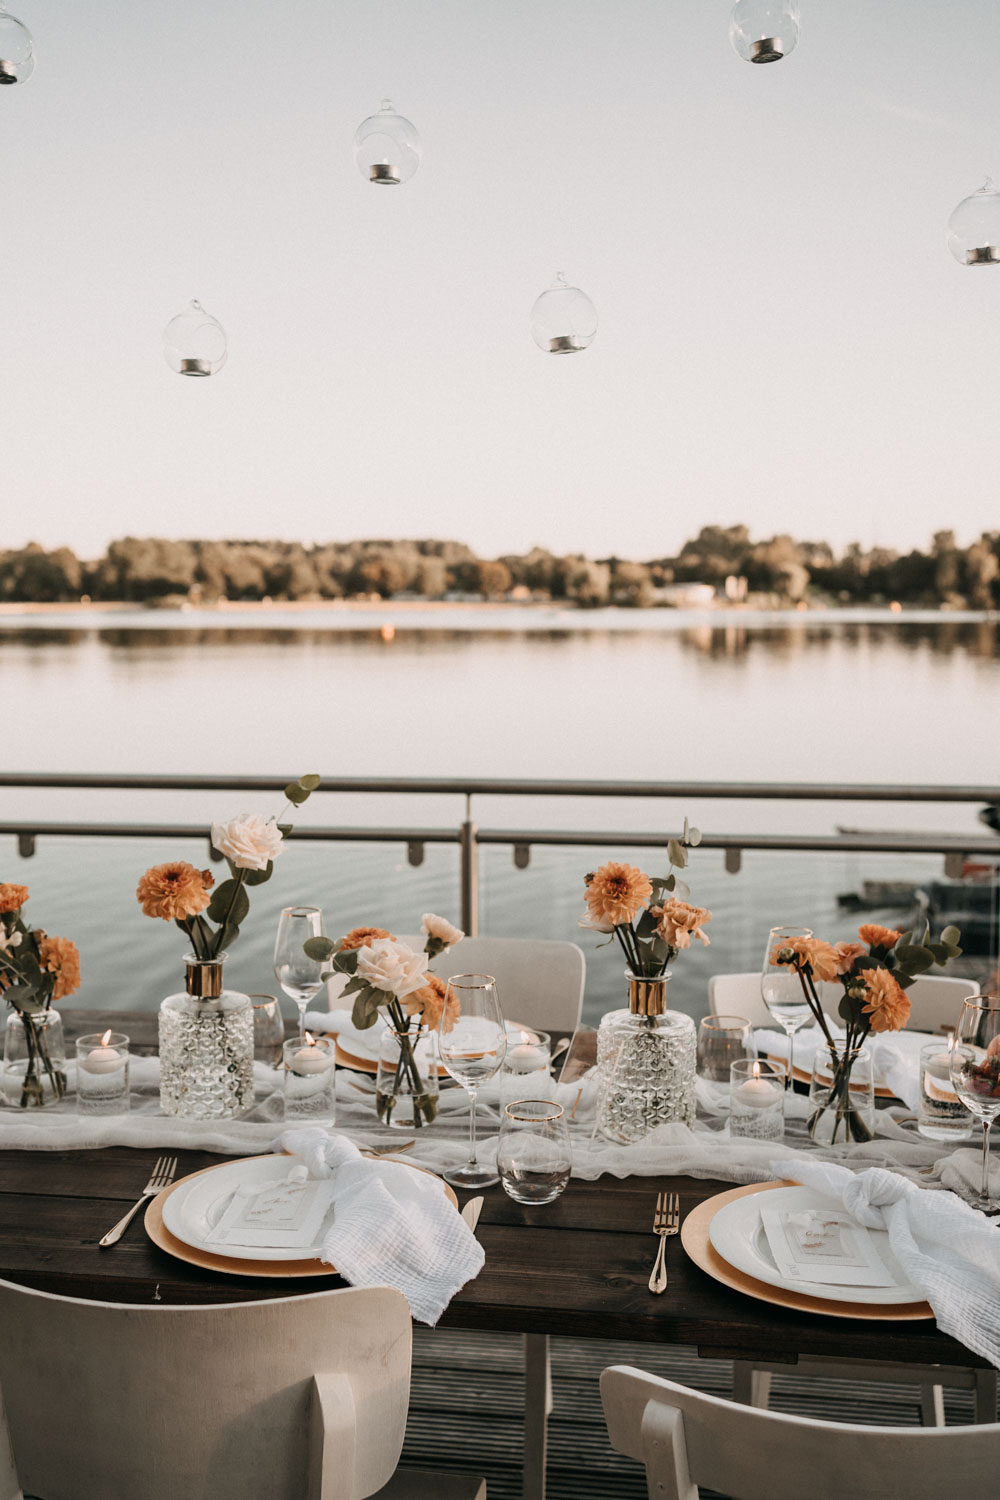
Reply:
x=975 y=1073
x=782 y=992
x=297 y=973
x=471 y=1052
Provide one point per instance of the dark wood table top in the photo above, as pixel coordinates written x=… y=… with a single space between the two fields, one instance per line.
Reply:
x=578 y=1267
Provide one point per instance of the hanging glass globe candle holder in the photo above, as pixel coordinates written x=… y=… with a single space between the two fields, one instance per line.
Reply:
x=194 y=343
x=17 y=50
x=764 y=31
x=563 y=320
x=974 y=228
x=387 y=147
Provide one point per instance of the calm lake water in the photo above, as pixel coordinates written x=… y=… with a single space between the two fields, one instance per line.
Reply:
x=484 y=692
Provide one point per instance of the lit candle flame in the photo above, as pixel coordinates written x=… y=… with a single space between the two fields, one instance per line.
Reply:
x=756 y=1070
x=310 y=1040
x=105 y=1039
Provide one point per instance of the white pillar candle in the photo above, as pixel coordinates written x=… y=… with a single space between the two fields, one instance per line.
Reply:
x=311 y=1060
x=526 y=1058
x=757 y=1093
x=103 y=1060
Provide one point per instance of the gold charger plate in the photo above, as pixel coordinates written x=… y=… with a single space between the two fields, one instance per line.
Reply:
x=696 y=1241
x=801 y=1076
x=368 y=1064
x=161 y=1236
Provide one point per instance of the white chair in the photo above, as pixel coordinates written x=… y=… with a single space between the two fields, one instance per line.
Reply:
x=686 y=1439
x=295 y=1398
x=935 y=1000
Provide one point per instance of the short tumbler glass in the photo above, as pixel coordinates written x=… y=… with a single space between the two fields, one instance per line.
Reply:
x=268 y=1029
x=722 y=1040
x=310 y=1081
x=533 y=1152
x=941 y=1115
x=102 y=1073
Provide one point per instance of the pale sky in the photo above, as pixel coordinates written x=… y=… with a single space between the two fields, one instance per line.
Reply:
x=784 y=338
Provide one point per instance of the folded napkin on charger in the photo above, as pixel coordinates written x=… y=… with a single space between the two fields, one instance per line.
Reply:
x=392 y=1226
x=946 y=1248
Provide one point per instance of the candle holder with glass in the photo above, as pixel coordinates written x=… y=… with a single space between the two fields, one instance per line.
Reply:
x=756 y=1099
x=309 y=1081
x=102 y=1073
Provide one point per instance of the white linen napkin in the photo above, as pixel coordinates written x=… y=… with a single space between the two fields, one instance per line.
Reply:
x=392 y=1227
x=946 y=1248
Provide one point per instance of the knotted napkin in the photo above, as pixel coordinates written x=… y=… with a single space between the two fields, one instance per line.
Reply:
x=392 y=1226
x=946 y=1248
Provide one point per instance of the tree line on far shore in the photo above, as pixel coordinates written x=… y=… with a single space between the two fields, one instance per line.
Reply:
x=779 y=570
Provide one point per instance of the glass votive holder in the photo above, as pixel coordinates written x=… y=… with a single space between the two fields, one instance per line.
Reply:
x=102 y=1073
x=722 y=1040
x=941 y=1115
x=268 y=1029
x=310 y=1080
x=533 y=1151
x=756 y=1099
x=526 y=1067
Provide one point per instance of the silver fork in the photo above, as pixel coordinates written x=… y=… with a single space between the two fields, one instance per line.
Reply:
x=666 y=1221
x=162 y=1176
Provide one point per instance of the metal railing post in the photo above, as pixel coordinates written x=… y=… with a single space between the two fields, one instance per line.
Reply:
x=469 y=842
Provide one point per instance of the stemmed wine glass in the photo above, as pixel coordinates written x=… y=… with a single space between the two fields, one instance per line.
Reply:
x=298 y=975
x=782 y=992
x=975 y=1074
x=471 y=1052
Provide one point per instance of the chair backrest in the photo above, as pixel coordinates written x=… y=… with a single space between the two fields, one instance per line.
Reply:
x=540 y=981
x=935 y=999
x=224 y=1402
x=686 y=1439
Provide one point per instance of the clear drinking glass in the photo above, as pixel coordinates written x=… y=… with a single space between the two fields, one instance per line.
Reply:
x=298 y=975
x=722 y=1040
x=782 y=992
x=533 y=1152
x=942 y=1116
x=975 y=1072
x=268 y=1029
x=471 y=1052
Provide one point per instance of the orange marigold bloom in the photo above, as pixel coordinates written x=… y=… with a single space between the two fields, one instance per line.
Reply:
x=886 y=1004
x=616 y=893
x=360 y=937
x=60 y=957
x=846 y=954
x=174 y=890
x=879 y=937
x=433 y=1001
x=821 y=957
x=12 y=897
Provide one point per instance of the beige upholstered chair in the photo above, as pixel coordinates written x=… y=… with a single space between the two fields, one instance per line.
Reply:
x=295 y=1398
x=686 y=1439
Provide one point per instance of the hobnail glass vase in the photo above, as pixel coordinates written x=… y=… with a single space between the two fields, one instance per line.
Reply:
x=645 y=1064
x=406 y=1088
x=206 y=1046
x=34 y=1059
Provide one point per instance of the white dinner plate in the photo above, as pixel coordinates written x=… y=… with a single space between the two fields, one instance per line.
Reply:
x=737 y=1234
x=194 y=1208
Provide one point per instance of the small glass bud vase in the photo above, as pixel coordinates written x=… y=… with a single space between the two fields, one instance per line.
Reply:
x=34 y=1059
x=206 y=1046
x=406 y=1087
x=645 y=1064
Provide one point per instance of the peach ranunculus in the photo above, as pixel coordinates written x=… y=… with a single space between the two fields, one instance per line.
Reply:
x=885 y=1004
x=174 y=890
x=60 y=957
x=824 y=960
x=434 y=1001
x=678 y=922
x=847 y=953
x=617 y=893
x=879 y=937
x=12 y=897
x=249 y=840
x=360 y=937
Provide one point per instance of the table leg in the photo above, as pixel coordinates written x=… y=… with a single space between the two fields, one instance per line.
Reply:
x=537 y=1406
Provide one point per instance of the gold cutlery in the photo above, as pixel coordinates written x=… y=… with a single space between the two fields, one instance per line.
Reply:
x=666 y=1222
x=471 y=1212
x=161 y=1177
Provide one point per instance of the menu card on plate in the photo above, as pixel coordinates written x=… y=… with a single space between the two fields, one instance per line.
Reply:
x=282 y=1215
x=824 y=1245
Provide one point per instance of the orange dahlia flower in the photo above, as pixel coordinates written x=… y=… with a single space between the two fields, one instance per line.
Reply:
x=435 y=1000
x=821 y=957
x=174 y=890
x=12 y=897
x=360 y=937
x=879 y=937
x=846 y=954
x=678 y=922
x=60 y=957
x=886 y=1004
x=616 y=893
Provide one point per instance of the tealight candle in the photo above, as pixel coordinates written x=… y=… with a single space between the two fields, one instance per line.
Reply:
x=102 y=1060
x=102 y=1073
x=311 y=1060
x=310 y=1080
x=757 y=1105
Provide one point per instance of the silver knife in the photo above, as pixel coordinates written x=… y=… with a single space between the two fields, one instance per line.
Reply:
x=471 y=1212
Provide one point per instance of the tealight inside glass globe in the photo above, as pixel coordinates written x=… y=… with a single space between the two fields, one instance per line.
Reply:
x=764 y=31
x=194 y=343
x=387 y=147
x=17 y=50
x=563 y=320
x=974 y=228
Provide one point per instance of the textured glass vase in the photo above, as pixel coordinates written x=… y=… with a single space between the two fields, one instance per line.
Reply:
x=645 y=1064
x=206 y=1046
x=34 y=1059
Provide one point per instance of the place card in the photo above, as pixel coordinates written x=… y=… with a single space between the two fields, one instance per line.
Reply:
x=823 y=1245
x=283 y=1216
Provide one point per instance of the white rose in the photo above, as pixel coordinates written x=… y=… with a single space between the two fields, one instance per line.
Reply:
x=444 y=933
x=391 y=966
x=250 y=841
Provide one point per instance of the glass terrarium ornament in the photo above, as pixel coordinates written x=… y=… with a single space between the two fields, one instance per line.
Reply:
x=645 y=1064
x=194 y=343
x=387 y=147
x=974 y=228
x=563 y=320
x=764 y=31
x=17 y=49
